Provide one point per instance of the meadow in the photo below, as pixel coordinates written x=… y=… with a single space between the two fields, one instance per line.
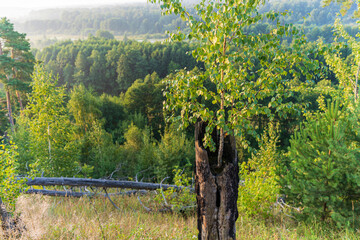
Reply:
x=96 y=218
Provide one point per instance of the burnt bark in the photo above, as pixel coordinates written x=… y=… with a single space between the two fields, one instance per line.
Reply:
x=216 y=187
x=6 y=219
x=10 y=225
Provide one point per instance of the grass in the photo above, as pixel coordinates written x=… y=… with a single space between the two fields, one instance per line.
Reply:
x=85 y=218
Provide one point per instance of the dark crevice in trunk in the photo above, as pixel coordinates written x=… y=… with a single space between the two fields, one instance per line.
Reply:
x=218 y=197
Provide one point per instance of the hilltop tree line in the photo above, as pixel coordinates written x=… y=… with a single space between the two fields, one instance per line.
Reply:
x=111 y=66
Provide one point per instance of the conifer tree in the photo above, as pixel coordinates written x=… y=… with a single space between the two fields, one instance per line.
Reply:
x=16 y=62
x=323 y=178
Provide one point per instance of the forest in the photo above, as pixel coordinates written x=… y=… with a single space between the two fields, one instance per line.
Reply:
x=142 y=21
x=270 y=89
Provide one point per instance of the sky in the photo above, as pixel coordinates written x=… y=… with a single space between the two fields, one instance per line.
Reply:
x=20 y=8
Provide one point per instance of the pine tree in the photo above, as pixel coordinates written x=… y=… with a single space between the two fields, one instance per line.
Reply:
x=324 y=178
x=16 y=62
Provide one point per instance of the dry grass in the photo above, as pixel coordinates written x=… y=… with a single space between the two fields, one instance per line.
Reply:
x=85 y=218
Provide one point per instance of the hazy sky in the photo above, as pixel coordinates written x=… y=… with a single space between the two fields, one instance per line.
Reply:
x=20 y=8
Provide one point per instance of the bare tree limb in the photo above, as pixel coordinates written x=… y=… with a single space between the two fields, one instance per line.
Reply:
x=136 y=176
x=118 y=167
x=162 y=192
x=107 y=195
x=146 y=208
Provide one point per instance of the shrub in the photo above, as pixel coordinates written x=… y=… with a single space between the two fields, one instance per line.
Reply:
x=10 y=186
x=323 y=178
x=260 y=187
x=183 y=201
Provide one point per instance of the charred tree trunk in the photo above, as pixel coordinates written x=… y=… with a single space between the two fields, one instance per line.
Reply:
x=216 y=188
x=10 y=225
x=6 y=219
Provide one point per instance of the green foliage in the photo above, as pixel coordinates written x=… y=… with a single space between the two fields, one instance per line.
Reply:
x=173 y=150
x=16 y=63
x=98 y=150
x=323 y=178
x=50 y=134
x=346 y=70
x=243 y=68
x=345 y=6
x=84 y=107
x=103 y=155
x=183 y=201
x=147 y=158
x=145 y=97
x=104 y=34
x=10 y=185
x=110 y=66
x=260 y=188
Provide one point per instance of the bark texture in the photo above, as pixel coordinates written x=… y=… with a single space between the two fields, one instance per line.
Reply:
x=12 y=226
x=8 y=104
x=216 y=188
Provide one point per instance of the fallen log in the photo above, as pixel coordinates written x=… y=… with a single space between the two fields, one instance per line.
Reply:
x=78 y=194
x=78 y=182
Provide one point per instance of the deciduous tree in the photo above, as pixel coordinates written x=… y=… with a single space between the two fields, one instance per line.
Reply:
x=241 y=71
x=51 y=134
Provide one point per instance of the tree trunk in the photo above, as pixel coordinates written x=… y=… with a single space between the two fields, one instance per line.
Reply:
x=6 y=220
x=216 y=188
x=10 y=225
x=8 y=103
x=19 y=99
x=77 y=182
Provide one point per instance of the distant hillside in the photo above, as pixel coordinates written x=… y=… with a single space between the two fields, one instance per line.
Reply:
x=128 y=19
x=141 y=19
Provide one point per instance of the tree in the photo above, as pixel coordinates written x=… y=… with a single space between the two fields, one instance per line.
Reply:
x=323 y=177
x=346 y=70
x=261 y=184
x=81 y=72
x=242 y=70
x=104 y=34
x=52 y=144
x=16 y=62
x=84 y=107
x=145 y=96
x=131 y=66
x=345 y=6
x=10 y=186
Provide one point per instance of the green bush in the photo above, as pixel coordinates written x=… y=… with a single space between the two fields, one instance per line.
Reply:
x=260 y=187
x=10 y=186
x=183 y=201
x=323 y=177
x=174 y=150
